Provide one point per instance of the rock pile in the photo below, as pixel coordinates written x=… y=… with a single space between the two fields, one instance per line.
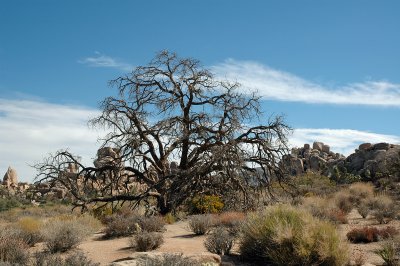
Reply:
x=368 y=161
x=306 y=158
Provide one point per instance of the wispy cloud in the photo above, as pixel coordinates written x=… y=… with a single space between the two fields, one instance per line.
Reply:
x=340 y=140
x=101 y=60
x=283 y=86
x=29 y=130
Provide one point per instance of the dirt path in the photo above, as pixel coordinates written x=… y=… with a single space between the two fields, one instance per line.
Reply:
x=177 y=238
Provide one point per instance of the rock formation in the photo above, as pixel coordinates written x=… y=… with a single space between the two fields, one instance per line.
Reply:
x=306 y=158
x=10 y=179
x=371 y=160
x=368 y=161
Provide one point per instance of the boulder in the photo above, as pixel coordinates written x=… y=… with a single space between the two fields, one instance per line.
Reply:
x=107 y=156
x=318 y=146
x=316 y=162
x=326 y=148
x=10 y=179
x=381 y=146
x=365 y=146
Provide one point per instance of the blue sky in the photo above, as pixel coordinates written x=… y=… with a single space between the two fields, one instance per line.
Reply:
x=332 y=67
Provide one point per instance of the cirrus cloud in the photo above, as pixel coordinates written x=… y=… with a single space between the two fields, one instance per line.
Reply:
x=274 y=84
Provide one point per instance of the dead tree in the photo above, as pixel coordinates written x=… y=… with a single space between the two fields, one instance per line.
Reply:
x=174 y=110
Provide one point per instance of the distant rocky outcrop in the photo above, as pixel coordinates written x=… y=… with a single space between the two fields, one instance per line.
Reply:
x=315 y=158
x=10 y=179
x=372 y=160
x=368 y=161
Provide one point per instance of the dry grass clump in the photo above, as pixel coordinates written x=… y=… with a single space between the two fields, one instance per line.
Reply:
x=171 y=259
x=220 y=241
x=371 y=234
x=201 y=224
x=13 y=250
x=30 y=229
x=118 y=225
x=390 y=252
x=230 y=218
x=382 y=207
x=325 y=209
x=361 y=190
x=146 y=241
x=74 y=259
x=285 y=235
x=62 y=234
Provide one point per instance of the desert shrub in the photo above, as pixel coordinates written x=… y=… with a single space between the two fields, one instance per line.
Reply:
x=201 y=224
x=206 y=204
x=370 y=234
x=230 y=218
x=169 y=218
x=76 y=258
x=146 y=241
x=8 y=204
x=337 y=216
x=363 y=208
x=361 y=190
x=317 y=206
x=383 y=209
x=152 y=224
x=61 y=235
x=169 y=260
x=220 y=241
x=285 y=235
x=118 y=225
x=363 y=235
x=344 y=201
x=389 y=252
x=30 y=230
x=325 y=209
x=314 y=184
x=13 y=250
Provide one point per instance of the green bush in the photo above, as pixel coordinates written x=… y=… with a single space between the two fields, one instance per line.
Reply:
x=8 y=204
x=201 y=224
x=206 y=204
x=284 y=235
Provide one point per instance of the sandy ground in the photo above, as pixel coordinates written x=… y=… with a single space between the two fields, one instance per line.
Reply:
x=178 y=238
